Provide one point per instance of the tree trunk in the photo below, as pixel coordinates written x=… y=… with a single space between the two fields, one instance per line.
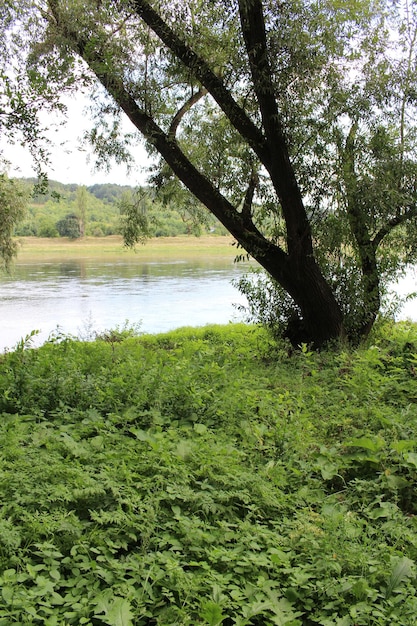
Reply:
x=366 y=247
x=297 y=272
x=320 y=318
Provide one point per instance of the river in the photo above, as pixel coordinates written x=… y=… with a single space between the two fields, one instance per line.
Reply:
x=81 y=296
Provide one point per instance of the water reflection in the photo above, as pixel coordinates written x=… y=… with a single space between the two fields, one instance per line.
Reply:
x=74 y=293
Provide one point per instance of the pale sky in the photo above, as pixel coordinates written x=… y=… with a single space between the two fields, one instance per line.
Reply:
x=70 y=161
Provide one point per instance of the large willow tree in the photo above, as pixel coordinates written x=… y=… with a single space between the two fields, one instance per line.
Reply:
x=292 y=122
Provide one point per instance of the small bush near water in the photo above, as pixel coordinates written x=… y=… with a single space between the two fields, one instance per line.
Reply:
x=205 y=477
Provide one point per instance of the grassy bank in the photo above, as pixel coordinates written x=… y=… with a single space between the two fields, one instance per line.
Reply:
x=161 y=247
x=205 y=477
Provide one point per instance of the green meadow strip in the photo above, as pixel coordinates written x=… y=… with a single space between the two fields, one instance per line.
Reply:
x=161 y=247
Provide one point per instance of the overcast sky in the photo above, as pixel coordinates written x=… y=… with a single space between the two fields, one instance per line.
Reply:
x=70 y=161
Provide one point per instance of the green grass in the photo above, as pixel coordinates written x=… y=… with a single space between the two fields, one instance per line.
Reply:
x=205 y=476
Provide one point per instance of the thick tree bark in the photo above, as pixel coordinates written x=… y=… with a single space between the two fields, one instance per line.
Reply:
x=281 y=171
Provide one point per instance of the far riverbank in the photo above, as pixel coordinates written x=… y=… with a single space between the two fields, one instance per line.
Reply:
x=112 y=246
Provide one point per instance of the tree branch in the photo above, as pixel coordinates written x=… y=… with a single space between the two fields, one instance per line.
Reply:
x=393 y=223
x=358 y=225
x=202 y=72
x=281 y=170
x=194 y=98
x=248 y=199
x=253 y=29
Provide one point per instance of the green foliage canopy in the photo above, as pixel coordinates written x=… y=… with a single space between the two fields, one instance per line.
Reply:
x=69 y=226
x=13 y=207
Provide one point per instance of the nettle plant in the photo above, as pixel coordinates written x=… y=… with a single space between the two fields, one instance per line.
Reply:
x=190 y=478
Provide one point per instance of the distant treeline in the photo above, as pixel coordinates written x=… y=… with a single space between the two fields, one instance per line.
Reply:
x=74 y=210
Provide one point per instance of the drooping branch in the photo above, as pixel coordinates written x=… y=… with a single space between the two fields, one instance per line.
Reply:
x=193 y=99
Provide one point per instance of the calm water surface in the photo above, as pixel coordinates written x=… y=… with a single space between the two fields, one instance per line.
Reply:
x=80 y=295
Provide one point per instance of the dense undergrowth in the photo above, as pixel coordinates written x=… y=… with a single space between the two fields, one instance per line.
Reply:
x=205 y=476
